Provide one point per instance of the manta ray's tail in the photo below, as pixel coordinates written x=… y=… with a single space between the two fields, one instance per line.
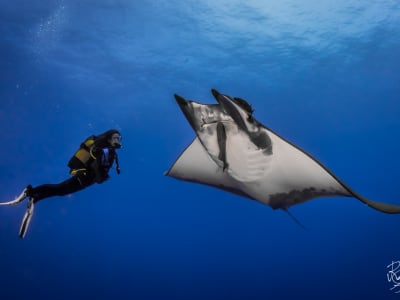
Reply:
x=295 y=219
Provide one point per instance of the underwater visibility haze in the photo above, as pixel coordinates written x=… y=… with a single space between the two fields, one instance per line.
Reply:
x=322 y=74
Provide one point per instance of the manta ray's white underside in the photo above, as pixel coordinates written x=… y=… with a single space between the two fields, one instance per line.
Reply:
x=236 y=153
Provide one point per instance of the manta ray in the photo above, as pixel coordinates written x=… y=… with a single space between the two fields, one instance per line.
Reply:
x=234 y=152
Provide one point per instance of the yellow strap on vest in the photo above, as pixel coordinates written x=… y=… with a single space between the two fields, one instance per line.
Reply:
x=91 y=153
x=75 y=171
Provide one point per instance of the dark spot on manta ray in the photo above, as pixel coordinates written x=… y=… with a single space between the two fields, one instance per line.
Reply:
x=262 y=141
x=296 y=197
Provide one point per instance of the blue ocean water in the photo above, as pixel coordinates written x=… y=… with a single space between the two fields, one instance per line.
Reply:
x=323 y=74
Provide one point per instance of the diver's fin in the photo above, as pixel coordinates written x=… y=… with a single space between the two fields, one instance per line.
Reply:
x=25 y=193
x=27 y=218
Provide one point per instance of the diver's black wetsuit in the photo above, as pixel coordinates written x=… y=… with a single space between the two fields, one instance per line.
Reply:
x=97 y=173
x=71 y=185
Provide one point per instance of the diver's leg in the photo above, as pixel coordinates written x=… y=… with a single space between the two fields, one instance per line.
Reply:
x=69 y=186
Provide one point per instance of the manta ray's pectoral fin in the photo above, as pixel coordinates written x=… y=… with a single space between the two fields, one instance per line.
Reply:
x=184 y=105
x=181 y=101
x=221 y=137
x=380 y=206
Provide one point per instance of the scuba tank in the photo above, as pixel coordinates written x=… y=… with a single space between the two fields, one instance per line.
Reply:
x=83 y=157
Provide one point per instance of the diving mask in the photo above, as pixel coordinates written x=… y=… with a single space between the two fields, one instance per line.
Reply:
x=115 y=140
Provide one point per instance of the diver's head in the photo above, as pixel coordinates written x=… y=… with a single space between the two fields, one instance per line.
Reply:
x=114 y=139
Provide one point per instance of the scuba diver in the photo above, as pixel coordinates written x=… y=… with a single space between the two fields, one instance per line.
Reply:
x=90 y=164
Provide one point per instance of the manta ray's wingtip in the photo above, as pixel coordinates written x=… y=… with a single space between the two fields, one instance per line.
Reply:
x=215 y=93
x=379 y=206
x=180 y=100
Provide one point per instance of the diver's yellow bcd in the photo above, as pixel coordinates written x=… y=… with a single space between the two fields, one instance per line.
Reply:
x=83 y=156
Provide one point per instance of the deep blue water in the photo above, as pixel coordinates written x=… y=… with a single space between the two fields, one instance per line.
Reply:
x=323 y=74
